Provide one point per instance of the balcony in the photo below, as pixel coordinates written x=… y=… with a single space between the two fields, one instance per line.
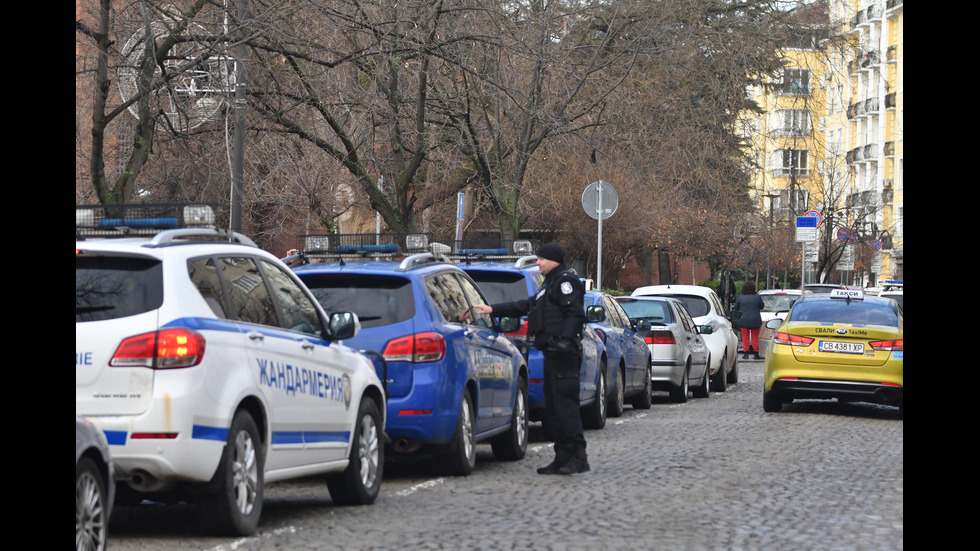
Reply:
x=788 y=172
x=870 y=106
x=860 y=199
x=870 y=152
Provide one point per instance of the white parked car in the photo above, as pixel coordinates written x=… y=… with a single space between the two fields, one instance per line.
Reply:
x=705 y=307
x=777 y=304
x=211 y=369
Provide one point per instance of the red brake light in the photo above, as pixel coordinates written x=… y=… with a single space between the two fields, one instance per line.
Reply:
x=896 y=345
x=786 y=338
x=166 y=349
x=661 y=337
x=420 y=347
x=602 y=335
x=521 y=332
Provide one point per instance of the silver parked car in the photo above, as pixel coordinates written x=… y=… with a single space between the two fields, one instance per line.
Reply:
x=94 y=487
x=706 y=309
x=679 y=353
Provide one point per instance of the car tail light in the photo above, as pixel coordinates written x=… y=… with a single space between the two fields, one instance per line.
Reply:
x=166 y=349
x=602 y=335
x=895 y=345
x=786 y=338
x=522 y=332
x=661 y=337
x=420 y=347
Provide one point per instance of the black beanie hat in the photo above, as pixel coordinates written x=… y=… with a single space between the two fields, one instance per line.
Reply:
x=552 y=251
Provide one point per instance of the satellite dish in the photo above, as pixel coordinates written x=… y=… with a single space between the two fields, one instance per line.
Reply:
x=196 y=95
x=590 y=200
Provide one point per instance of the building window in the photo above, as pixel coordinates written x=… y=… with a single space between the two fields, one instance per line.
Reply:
x=791 y=123
x=794 y=82
x=791 y=202
x=787 y=162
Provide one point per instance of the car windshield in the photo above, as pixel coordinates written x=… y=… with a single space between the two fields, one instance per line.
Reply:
x=500 y=286
x=377 y=300
x=840 y=311
x=108 y=287
x=653 y=311
x=778 y=303
x=696 y=306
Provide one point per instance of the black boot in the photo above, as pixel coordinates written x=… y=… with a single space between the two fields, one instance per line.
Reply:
x=579 y=463
x=551 y=468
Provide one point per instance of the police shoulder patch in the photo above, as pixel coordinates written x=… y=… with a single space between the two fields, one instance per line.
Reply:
x=566 y=288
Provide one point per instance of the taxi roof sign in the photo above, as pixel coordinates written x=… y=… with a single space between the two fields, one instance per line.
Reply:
x=847 y=294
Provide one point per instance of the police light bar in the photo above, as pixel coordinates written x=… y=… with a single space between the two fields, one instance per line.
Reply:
x=199 y=216
x=523 y=246
x=416 y=242
x=317 y=243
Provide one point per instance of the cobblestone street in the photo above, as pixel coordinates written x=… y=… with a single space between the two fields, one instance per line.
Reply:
x=714 y=473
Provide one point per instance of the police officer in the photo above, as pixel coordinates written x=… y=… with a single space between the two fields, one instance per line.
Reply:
x=555 y=316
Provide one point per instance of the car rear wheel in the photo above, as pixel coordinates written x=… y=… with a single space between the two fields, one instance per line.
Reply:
x=720 y=381
x=771 y=402
x=678 y=394
x=90 y=507
x=462 y=453
x=512 y=445
x=235 y=508
x=618 y=399
x=704 y=390
x=733 y=374
x=594 y=415
x=360 y=482
x=644 y=399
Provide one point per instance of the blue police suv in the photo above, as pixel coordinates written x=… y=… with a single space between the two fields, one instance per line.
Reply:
x=453 y=378
x=504 y=277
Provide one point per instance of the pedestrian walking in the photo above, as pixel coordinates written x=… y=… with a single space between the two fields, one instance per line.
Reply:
x=749 y=305
x=555 y=316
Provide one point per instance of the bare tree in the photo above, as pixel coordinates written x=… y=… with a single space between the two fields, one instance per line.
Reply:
x=158 y=55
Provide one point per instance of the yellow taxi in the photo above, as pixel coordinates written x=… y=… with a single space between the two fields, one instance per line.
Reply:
x=844 y=345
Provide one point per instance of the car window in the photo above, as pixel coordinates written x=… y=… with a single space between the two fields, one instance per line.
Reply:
x=696 y=306
x=204 y=274
x=500 y=286
x=377 y=300
x=298 y=311
x=447 y=294
x=473 y=297
x=249 y=298
x=612 y=320
x=653 y=311
x=111 y=287
x=624 y=320
x=839 y=311
x=685 y=318
x=778 y=303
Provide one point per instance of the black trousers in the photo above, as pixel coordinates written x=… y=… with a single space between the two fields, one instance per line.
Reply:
x=561 y=397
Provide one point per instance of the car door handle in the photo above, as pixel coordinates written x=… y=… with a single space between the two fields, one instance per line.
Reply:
x=307 y=345
x=256 y=336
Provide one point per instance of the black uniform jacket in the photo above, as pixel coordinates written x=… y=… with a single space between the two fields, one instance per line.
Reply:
x=557 y=310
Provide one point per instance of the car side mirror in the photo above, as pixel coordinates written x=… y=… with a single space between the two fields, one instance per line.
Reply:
x=343 y=325
x=509 y=325
x=774 y=323
x=595 y=313
x=705 y=330
x=643 y=325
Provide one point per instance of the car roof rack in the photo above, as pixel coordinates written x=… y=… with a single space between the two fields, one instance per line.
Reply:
x=475 y=250
x=164 y=223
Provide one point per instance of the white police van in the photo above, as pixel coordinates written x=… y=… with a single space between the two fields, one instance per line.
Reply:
x=211 y=369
